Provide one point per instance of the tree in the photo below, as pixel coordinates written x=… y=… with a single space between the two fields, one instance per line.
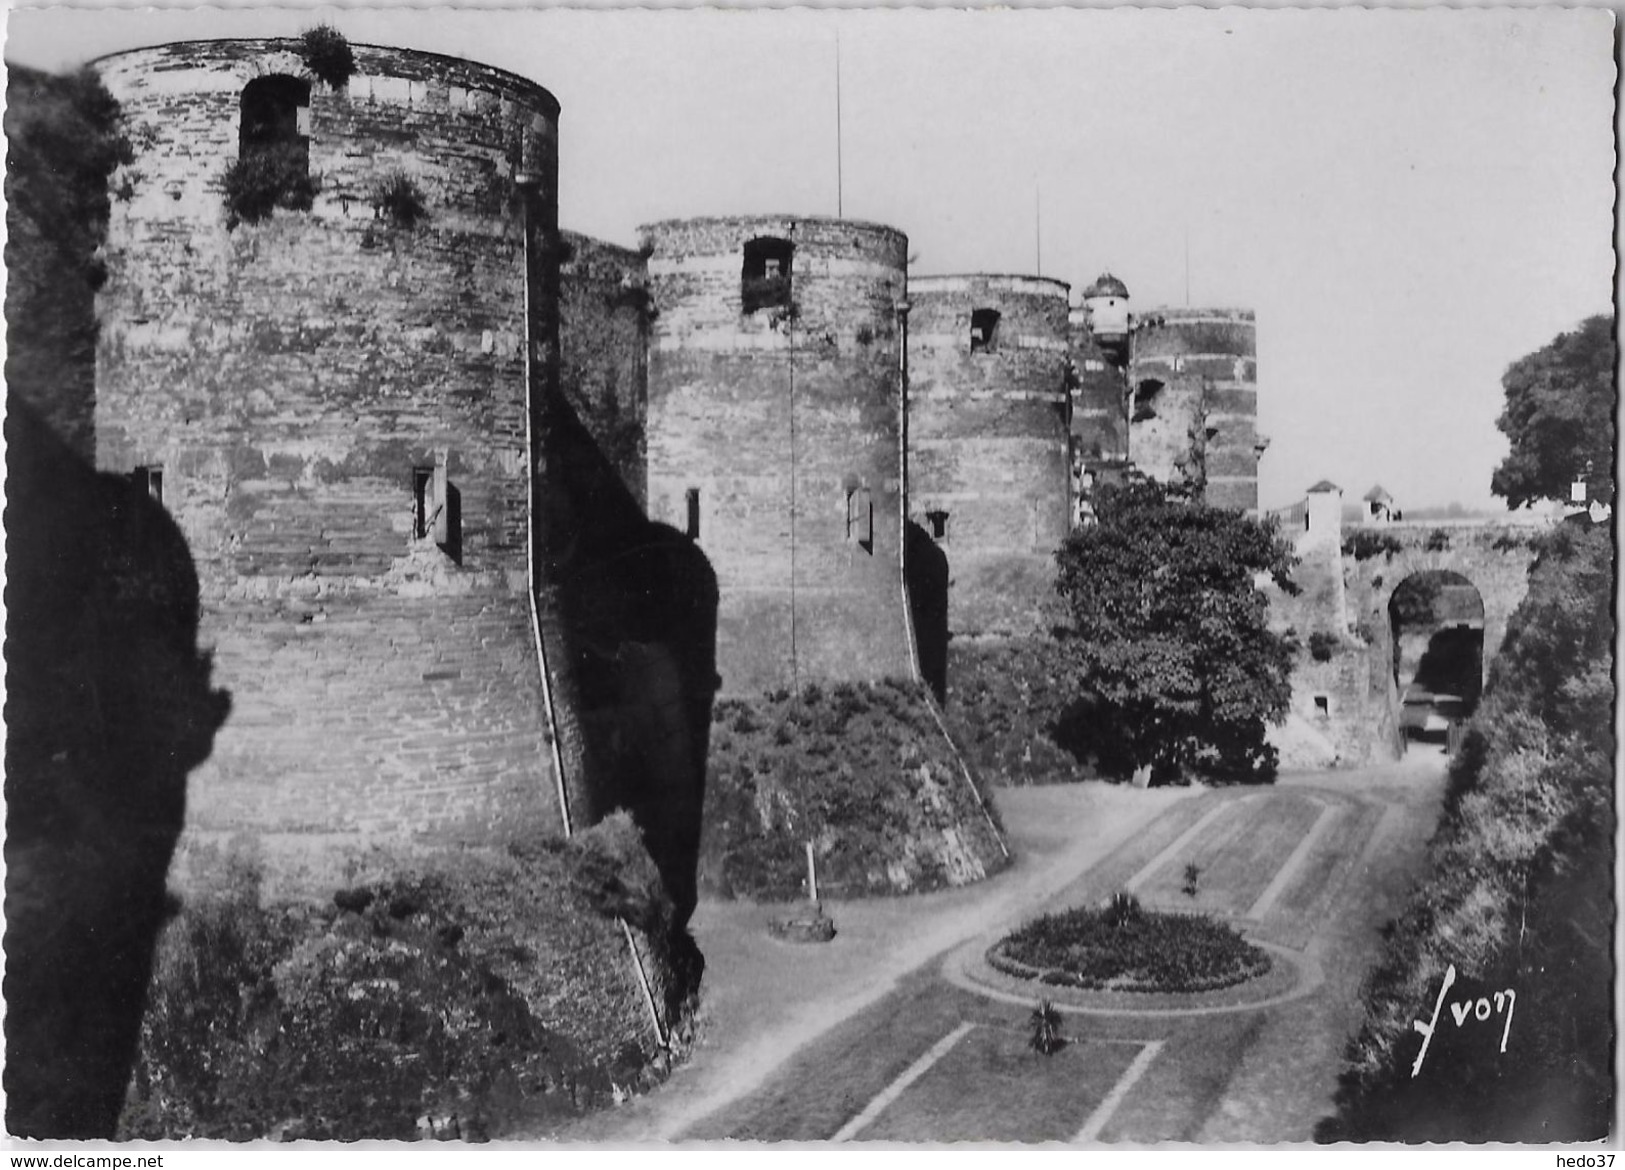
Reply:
x=1559 y=415
x=64 y=144
x=1169 y=636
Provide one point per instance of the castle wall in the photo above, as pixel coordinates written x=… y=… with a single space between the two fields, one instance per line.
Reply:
x=1202 y=423
x=785 y=421
x=299 y=380
x=1350 y=597
x=989 y=443
x=603 y=349
x=1099 y=417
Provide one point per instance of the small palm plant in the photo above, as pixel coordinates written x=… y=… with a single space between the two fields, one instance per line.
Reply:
x=1046 y=1039
x=1192 y=873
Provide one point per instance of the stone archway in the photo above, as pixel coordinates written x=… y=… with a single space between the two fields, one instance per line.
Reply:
x=1436 y=639
x=1493 y=559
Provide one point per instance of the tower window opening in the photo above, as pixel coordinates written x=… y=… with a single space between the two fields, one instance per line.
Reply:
x=984 y=330
x=765 y=279
x=273 y=145
x=1145 y=399
x=937 y=522
x=436 y=511
x=860 y=518
x=150 y=479
x=1323 y=706
x=691 y=502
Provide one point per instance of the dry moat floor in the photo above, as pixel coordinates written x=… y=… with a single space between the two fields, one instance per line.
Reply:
x=898 y=1031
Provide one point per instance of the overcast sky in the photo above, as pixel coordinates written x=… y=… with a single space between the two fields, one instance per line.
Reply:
x=1410 y=200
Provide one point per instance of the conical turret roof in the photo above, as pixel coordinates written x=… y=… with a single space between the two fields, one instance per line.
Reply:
x=1106 y=285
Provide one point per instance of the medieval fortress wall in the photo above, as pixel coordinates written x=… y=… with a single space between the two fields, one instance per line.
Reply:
x=1195 y=408
x=989 y=450
x=334 y=409
x=439 y=547
x=775 y=438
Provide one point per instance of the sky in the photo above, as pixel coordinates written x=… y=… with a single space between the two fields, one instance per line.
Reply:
x=1410 y=200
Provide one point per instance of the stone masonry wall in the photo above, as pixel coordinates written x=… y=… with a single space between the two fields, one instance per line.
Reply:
x=781 y=419
x=988 y=442
x=1099 y=417
x=289 y=377
x=1203 y=422
x=603 y=344
x=1349 y=598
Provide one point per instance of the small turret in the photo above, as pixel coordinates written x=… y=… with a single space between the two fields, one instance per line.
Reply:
x=1324 y=512
x=1106 y=301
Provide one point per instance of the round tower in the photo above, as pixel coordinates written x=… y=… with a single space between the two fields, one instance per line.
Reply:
x=775 y=433
x=989 y=469
x=1106 y=303
x=1194 y=415
x=316 y=329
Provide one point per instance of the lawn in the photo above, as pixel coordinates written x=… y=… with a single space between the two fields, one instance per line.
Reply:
x=1237 y=856
x=992 y=1087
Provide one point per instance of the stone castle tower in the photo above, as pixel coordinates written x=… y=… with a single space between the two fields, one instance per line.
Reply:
x=775 y=438
x=1172 y=392
x=989 y=472
x=1194 y=413
x=334 y=403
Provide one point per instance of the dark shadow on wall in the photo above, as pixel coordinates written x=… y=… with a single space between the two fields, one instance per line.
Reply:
x=639 y=607
x=925 y=572
x=108 y=708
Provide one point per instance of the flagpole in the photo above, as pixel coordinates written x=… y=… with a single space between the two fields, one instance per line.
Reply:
x=840 y=207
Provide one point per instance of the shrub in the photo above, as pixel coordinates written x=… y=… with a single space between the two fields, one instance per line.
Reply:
x=397 y=199
x=1124 y=910
x=1322 y=645
x=1011 y=707
x=861 y=771
x=1121 y=949
x=1364 y=543
x=1193 y=874
x=467 y=990
x=1438 y=540
x=327 y=55
x=267 y=178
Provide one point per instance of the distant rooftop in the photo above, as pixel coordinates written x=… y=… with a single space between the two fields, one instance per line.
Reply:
x=1325 y=485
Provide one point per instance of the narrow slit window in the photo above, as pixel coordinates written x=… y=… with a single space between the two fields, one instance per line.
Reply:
x=937 y=522
x=984 y=330
x=860 y=518
x=691 y=505
x=765 y=278
x=424 y=511
x=437 y=509
x=150 y=479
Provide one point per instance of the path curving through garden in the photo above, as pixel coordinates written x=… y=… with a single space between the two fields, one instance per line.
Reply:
x=900 y=1042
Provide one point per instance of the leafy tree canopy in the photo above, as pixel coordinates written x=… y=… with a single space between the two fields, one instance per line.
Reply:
x=1559 y=415
x=1170 y=636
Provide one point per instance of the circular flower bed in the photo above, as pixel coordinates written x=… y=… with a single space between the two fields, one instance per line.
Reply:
x=1121 y=947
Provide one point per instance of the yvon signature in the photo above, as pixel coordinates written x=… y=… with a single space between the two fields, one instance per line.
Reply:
x=1481 y=1009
